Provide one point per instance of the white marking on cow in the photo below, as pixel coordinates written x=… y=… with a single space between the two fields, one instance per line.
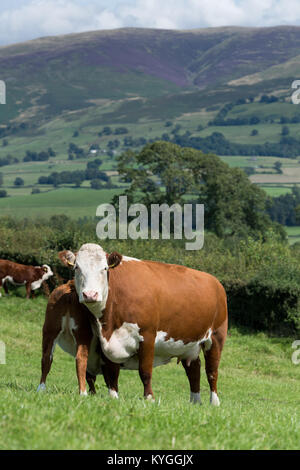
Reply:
x=171 y=348
x=208 y=341
x=150 y=398
x=41 y=387
x=123 y=343
x=91 y=276
x=214 y=399
x=195 y=398
x=129 y=258
x=83 y=393
x=113 y=393
x=65 y=339
x=37 y=284
x=12 y=281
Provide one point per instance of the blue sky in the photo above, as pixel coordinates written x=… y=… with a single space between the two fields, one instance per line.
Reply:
x=22 y=20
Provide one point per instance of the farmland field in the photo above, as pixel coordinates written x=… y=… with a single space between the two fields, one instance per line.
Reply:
x=259 y=389
x=73 y=202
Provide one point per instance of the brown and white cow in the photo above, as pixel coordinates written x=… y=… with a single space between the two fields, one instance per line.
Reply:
x=20 y=274
x=148 y=312
x=70 y=324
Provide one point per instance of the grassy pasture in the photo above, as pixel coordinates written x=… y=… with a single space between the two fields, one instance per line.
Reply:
x=259 y=389
x=294 y=234
x=73 y=202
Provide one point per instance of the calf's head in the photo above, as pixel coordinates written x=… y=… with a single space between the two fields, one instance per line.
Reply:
x=91 y=265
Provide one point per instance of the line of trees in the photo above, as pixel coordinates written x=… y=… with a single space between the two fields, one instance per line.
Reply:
x=76 y=177
x=44 y=155
x=287 y=147
x=285 y=209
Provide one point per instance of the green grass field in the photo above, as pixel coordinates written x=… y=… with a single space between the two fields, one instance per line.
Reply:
x=259 y=389
x=75 y=203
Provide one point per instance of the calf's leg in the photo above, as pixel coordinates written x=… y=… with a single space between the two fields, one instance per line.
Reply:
x=48 y=346
x=111 y=375
x=91 y=379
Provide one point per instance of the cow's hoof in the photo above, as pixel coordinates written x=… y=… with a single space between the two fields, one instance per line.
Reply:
x=113 y=394
x=214 y=399
x=41 y=388
x=150 y=398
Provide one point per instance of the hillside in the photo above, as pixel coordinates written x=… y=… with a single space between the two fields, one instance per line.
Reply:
x=117 y=90
x=47 y=76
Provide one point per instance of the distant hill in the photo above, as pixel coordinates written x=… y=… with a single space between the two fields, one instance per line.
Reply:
x=53 y=75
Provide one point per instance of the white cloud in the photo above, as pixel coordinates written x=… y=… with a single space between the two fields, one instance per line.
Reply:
x=35 y=18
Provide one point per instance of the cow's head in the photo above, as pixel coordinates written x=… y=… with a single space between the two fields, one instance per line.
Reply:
x=91 y=265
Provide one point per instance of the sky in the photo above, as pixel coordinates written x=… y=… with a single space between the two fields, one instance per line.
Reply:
x=22 y=20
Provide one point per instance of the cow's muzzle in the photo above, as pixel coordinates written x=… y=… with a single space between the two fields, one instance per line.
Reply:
x=90 y=296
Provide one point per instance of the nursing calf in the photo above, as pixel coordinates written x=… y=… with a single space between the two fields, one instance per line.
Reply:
x=70 y=325
x=148 y=312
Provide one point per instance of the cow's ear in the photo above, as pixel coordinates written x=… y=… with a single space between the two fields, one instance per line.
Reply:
x=114 y=259
x=67 y=258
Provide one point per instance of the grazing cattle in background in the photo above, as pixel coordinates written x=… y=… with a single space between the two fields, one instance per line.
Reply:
x=20 y=274
x=148 y=312
x=71 y=325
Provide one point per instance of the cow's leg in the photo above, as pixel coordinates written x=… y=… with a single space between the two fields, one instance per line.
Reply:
x=212 y=358
x=91 y=379
x=146 y=357
x=28 y=289
x=81 y=364
x=111 y=375
x=192 y=370
x=5 y=287
x=48 y=344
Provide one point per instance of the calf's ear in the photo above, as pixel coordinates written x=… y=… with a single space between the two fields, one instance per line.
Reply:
x=114 y=259
x=67 y=258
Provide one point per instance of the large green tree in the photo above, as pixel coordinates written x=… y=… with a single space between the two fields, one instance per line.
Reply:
x=164 y=172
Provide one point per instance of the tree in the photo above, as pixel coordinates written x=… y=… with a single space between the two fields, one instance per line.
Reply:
x=35 y=191
x=254 y=132
x=1 y=179
x=3 y=193
x=166 y=173
x=96 y=184
x=19 y=181
x=285 y=130
x=278 y=167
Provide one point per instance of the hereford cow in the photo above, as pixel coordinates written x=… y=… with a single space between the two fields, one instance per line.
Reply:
x=19 y=274
x=70 y=324
x=148 y=312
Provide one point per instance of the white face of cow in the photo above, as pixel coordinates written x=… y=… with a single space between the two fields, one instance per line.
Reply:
x=91 y=276
x=48 y=272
